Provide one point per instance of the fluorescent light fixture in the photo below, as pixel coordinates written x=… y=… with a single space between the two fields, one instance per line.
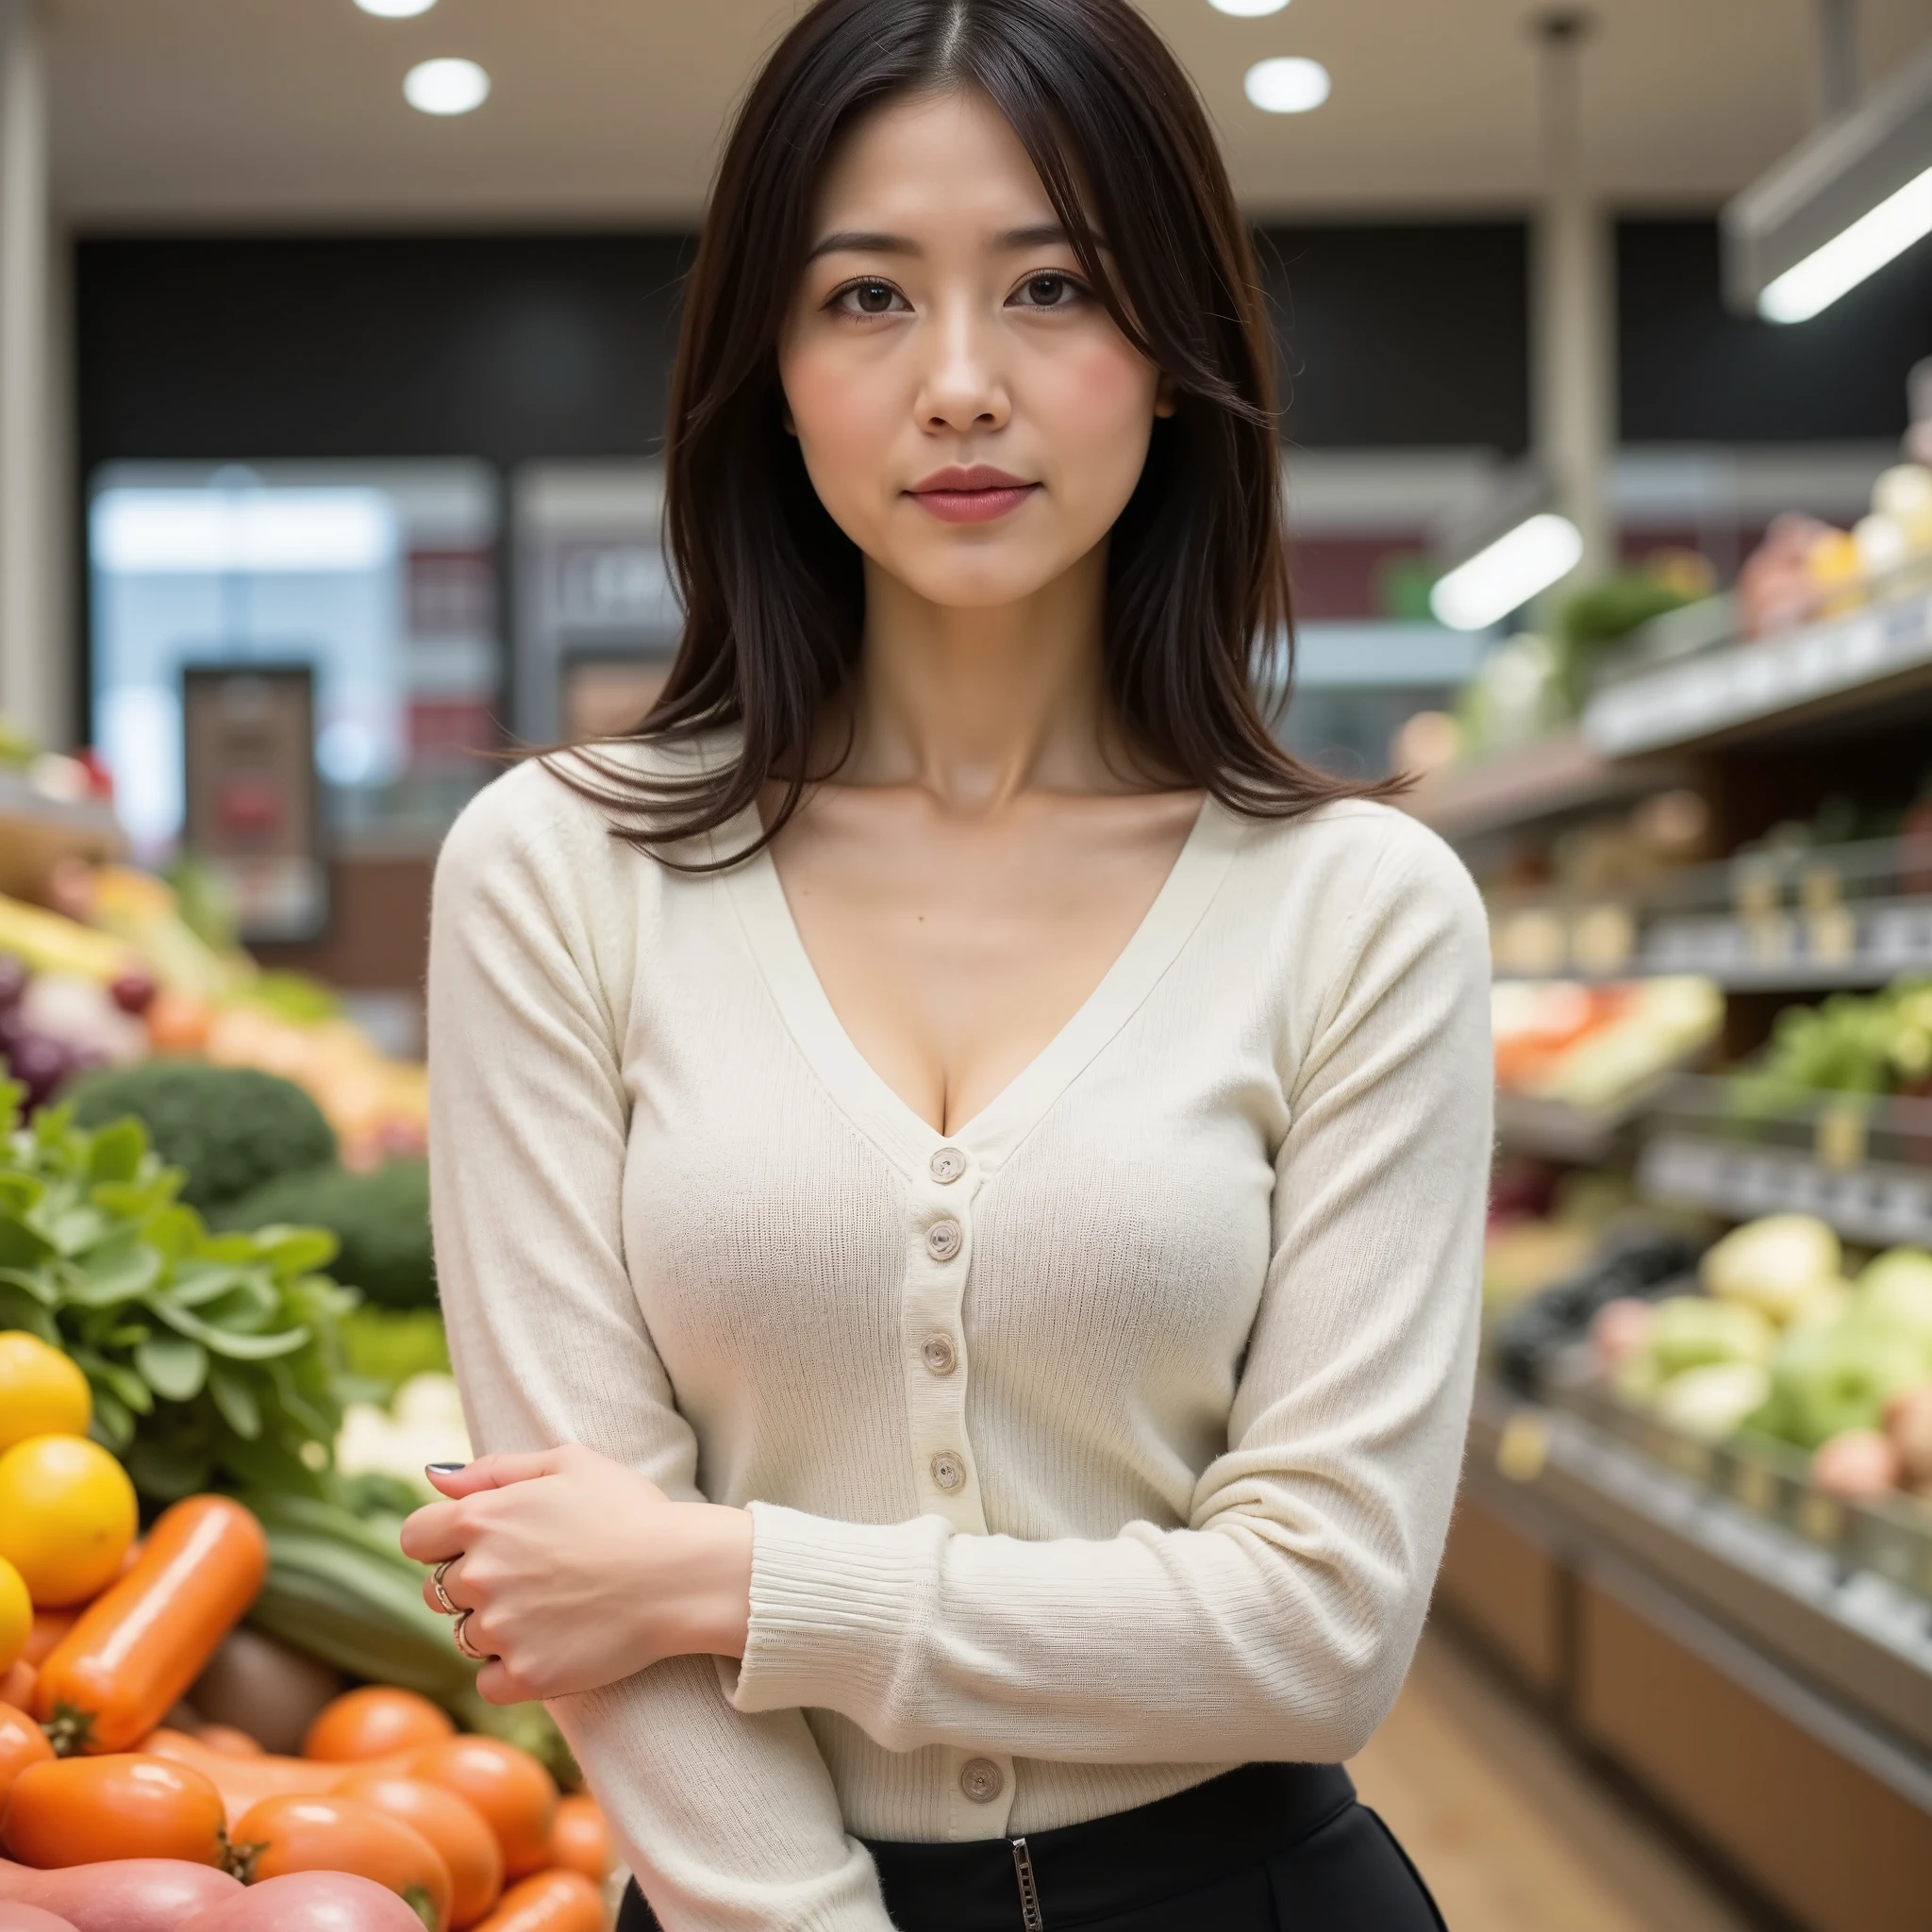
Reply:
x=1507 y=574
x=1287 y=85
x=1847 y=258
x=395 y=9
x=219 y=532
x=1247 y=9
x=445 y=86
x=1848 y=199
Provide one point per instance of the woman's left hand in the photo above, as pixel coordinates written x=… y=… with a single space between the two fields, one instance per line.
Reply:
x=577 y=1571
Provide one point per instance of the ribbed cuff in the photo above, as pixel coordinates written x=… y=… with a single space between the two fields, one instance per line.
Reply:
x=834 y=1606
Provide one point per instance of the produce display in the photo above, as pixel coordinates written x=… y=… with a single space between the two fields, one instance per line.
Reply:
x=1805 y=569
x=1596 y=1046
x=224 y=1706
x=1875 y=1043
x=115 y=974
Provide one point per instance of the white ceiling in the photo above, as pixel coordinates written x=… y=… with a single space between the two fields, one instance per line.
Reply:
x=280 y=111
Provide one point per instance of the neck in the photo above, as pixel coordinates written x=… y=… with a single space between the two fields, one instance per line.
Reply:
x=976 y=705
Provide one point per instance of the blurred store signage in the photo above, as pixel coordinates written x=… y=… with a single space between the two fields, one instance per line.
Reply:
x=252 y=812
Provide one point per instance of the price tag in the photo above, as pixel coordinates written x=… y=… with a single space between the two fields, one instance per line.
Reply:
x=1831 y=935
x=1821 y=1518
x=1840 y=1139
x=1755 y=1485
x=1522 y=1448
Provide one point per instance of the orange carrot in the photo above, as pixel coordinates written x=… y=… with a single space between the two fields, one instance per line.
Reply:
x=138 y=1645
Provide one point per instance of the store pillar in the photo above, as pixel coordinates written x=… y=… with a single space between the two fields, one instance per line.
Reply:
x=1572 y=317
x=32 y=685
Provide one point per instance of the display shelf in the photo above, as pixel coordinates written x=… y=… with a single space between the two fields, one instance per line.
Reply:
x=1831 y=1614
x=1557 y=774
x=1855 y=662
x=1798 y=919
x=1861 y=1162
x=1528 y=1123
x=36 y=831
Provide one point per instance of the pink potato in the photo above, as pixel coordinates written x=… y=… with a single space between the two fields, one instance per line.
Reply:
x=31 y=1919
x=122 y=1895
x=1619 y=1329
x=1909 y=1423
x=311 y=1902
x=1856 y=1464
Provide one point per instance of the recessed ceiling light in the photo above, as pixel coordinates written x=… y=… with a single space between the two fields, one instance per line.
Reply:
x=1287 y=85
x=1247 y=9
x=395 y=9
x=446 y=86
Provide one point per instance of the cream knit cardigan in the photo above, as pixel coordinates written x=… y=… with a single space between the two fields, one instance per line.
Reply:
x=1098 y=1446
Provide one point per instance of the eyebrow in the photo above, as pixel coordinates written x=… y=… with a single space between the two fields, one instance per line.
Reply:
x=875 y=242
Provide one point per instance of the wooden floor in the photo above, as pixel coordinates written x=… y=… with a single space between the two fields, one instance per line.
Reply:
x=1512 y=1832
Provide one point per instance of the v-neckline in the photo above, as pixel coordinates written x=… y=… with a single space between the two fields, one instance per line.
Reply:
x=871 y=1102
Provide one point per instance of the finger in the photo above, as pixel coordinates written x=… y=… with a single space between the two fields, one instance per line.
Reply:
x=496 y=1683
x=491 y=1472
x=431 y=1533
x=452 y=1589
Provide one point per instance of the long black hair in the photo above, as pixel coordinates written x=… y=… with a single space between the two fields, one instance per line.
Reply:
x=1197 y=608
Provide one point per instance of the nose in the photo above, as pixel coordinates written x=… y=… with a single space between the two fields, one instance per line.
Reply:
x=962 y=386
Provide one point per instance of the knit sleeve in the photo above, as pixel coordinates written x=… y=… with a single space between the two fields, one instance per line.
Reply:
x=1279 y=1622
x=729 y=1820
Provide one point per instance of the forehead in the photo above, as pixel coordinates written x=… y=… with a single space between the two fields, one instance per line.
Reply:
x=920 y=163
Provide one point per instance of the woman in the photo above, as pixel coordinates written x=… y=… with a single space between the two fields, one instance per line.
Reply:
x=959 y=1165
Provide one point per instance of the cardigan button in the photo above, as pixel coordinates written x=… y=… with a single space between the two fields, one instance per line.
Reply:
x=938 y=1355
x=982 y=1780
x=946 y=1165
x=943 y=1239
x=948 y=1472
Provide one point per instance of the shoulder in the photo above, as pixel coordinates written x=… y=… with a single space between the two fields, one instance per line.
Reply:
x=561 y=815
x=1373 y=859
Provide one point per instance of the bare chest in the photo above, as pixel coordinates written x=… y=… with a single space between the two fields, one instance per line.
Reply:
x=954 y=952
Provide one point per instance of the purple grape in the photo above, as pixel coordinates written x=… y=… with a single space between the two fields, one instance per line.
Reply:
x=13 y=980
x=40 y=1064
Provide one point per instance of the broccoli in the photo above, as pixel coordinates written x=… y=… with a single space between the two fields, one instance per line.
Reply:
x=231 y=1127
x=381 y=1219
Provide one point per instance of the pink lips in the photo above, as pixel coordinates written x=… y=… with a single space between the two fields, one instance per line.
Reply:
x=975 y=494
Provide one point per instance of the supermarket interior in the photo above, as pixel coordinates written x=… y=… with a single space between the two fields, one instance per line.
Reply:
x=335 y=343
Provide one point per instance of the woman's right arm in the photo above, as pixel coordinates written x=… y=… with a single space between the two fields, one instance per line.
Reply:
x=729 y=1820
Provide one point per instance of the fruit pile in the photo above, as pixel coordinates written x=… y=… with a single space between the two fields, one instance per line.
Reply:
x=122 y=1810
x=1781 y=1345
x=120 y=974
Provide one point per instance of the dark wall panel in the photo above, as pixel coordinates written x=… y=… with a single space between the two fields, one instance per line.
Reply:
x=1690 y=371
x=1397 y=333
x=505 y=347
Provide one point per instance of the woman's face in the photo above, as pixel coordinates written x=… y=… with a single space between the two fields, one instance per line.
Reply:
x=969 y=413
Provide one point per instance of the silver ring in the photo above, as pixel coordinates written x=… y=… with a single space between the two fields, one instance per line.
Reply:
x=461 y=1635
x=441 y=1596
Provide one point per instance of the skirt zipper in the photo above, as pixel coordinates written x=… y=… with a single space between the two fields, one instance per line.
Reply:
x=1029 y=1893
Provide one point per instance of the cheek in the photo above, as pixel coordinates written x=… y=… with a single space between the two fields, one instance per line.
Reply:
x=1097 y=402
x=844 y=418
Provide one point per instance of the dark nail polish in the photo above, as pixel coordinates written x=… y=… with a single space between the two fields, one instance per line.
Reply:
x=444 y=1468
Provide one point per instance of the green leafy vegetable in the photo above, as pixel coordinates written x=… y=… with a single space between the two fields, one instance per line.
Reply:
x=214 y=1359
x=231 y=1128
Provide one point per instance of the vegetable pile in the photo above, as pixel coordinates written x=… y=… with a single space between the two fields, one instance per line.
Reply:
x=1782 y=1345
x=224 y=1706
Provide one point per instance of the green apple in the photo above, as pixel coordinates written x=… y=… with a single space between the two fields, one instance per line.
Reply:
x=1842 y=1378
x=1709 y=1403
x=1689 y=1330
x=1774 y=1265
x=1897 y=1286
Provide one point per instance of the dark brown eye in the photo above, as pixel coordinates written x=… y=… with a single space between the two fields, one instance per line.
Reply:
x=874 y=298
x=1045 y=291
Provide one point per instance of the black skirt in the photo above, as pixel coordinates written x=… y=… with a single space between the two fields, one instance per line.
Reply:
x=1267 y=1848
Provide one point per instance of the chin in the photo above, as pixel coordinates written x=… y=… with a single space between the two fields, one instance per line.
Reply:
x=978 y=583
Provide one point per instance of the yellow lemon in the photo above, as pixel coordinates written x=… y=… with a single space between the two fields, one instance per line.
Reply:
x=67 y=1515
x=16 y=1615
x=42 y=1392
